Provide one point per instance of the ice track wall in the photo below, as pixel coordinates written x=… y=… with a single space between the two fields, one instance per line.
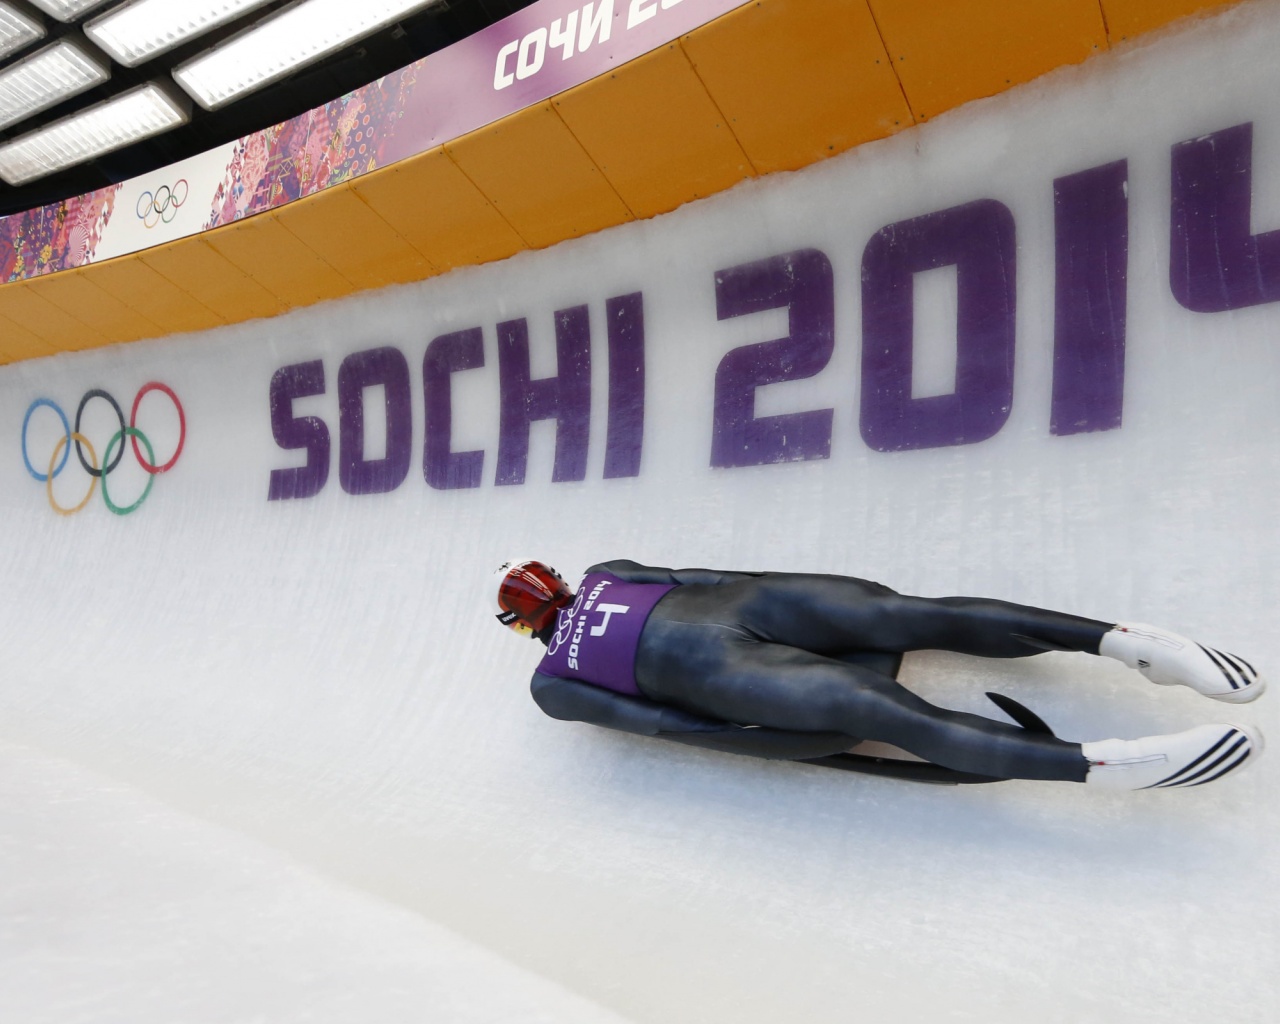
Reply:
x=1026 y=350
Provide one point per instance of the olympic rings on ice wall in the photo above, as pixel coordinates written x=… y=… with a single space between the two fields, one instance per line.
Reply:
x=111 y=455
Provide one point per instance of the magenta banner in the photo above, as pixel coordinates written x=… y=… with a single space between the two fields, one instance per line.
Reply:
x=534 y=54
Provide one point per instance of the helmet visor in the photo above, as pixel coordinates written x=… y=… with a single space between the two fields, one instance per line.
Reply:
x=529 y=594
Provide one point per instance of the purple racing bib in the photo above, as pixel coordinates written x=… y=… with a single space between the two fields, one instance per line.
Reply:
x=596 y=637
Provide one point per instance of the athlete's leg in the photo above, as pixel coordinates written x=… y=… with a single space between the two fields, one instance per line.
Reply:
x=886 y=663
x=832 y=614
x=768 y=684
x=828 y=614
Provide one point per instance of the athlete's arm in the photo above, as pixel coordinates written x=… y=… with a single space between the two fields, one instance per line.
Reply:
x=572 y=701
x=634 y=572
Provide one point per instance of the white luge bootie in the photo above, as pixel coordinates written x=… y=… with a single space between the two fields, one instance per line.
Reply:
x=1192 y=758
x=1169 y=659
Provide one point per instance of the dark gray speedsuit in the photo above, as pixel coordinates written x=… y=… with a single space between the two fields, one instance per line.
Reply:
x=799 y=667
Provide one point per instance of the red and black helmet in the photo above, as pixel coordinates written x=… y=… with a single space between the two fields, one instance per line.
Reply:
x=526 y=594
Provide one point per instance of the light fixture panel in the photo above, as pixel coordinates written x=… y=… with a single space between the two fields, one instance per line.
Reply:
x=130 y=117
x=47 y=77
x=67 y=10
x=17 y=30
x=135 y=32
x=300 y=34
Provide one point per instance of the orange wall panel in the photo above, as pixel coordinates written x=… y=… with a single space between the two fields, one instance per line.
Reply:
x=197 y=269
x=17 y=343
x=347 y=234
x=438 y=211
x=37 y=315
x=273 y=256
x=537 y=175
x=947 y=52
x=799 y=80
x=153 y=296
x=1129 y=18
x=76 y=295
x=654 y=132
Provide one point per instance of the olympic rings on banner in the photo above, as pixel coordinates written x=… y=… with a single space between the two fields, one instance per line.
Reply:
x=112 y=454
x=162 y=205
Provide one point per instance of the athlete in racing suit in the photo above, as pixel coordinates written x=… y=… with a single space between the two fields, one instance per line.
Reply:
x=801 y=667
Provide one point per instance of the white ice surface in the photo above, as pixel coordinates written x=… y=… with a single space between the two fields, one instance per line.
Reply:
x=115 y=907
x=315 y=677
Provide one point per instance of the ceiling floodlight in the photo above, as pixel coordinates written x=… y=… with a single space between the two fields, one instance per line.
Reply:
x=50 y=76
x=17 y=30
x=130 y=117
x=138 y=31
x=298 y=35
x=67 y=10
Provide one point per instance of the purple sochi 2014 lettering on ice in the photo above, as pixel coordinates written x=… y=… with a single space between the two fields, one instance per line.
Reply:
x=624 y=315
x=566 y=397
x=1215 y=262
x=301 y=380
x=443 y=468
x=801 y=282
x=1091 y=241
x=979 y=239
x=378 y=366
